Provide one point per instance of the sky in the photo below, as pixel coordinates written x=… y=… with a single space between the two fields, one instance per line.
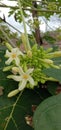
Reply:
x=11 y=18
x=54 y=20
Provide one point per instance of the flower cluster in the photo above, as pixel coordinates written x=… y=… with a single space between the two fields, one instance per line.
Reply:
x=27 y=67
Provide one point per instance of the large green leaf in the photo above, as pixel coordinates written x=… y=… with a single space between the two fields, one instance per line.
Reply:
x=48 y=114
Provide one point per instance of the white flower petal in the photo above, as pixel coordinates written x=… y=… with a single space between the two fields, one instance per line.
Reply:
x=8 y=54
x=29 y=71
x=13 y=55
x=14 y=77
x=21 y=72
x=21 y=53
x=8 y=61
x=14 y=50
x=30 y=79
x=22 y=85
x=17 y=51
x=17 y=60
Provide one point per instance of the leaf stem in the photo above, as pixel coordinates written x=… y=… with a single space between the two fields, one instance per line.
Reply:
x=14 y=105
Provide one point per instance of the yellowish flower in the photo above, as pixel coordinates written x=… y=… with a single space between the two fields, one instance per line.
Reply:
x=13 y=56
x=23 y=78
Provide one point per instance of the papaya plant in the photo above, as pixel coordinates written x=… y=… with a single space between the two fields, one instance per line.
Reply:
x=23 y=79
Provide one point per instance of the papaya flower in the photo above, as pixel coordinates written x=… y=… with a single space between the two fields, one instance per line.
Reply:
x=23 y=78
x=13 y=56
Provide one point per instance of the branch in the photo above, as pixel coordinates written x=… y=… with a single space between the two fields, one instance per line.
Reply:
x=31 y=9
x=10 y=25
x=6 y=36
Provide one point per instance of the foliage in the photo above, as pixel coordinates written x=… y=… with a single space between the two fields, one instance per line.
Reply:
x=43 y=5
x=48 y=114
x=49 y=38
x=12 y=37
x=13 y=111
x=6 y=29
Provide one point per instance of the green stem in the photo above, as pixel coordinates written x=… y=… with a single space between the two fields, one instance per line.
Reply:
x=11 y=114
x=27 y=44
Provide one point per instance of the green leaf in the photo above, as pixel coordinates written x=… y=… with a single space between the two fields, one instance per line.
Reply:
x=52 y=87
x=49 y=38
x=48 y=114
x=52 y=72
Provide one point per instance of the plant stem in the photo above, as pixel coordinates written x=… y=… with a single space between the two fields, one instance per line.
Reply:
x=14 y=105
x=10 y=25
x=30 y=9
x=27 y=44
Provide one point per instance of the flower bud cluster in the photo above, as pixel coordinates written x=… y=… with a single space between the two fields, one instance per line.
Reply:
x=27 y=69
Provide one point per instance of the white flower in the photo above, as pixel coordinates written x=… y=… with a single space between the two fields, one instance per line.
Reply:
x=13 y=55
x=23 y=78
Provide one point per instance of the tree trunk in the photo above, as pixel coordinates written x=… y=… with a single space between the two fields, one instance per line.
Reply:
x=37 y=30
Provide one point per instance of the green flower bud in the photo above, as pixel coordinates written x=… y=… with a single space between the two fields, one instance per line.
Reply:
x=55 y=54
x=49 y=50
x=8 y=46
x=7 y=68
x=55 y=66
x=15 y=70
x=13 y=93
x=51 y=79
x=48 y=61
x=29 y=53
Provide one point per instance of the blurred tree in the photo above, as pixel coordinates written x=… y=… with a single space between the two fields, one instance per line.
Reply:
x=33 y=9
